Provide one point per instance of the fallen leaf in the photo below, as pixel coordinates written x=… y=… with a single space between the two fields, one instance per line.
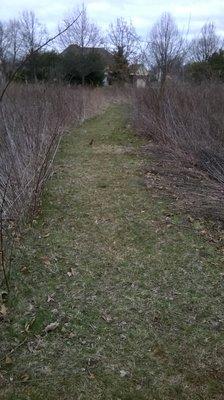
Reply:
x=30 y=347
x=47 y=235
x=29 y=324
x=24 y=377
x=46 y=260
x=35 y=345
x=123 y=373
x=107 y=317
x=3 y=310
x=30 y=307
x=24 y=270
x=71 y=272
x=50 y=297
x=3 y=295
x=51 y=327
x=8 y=360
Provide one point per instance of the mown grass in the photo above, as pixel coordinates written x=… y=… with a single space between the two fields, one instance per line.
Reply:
x=138 y=295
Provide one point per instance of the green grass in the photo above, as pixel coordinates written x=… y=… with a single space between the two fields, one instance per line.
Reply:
x=141 y=314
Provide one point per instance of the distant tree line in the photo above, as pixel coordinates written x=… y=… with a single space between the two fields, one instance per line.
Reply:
x=170 y=54
x=166 y=51
x=19 y=39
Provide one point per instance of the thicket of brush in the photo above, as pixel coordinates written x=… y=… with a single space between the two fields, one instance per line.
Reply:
x=185 y=126
x=33 y=119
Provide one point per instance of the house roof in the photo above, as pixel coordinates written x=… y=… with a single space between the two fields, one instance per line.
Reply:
x=105 y=54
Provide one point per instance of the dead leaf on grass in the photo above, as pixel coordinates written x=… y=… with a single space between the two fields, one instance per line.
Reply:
x=36 y=344
x=46 y=260
x=24 y=270
x=51 y=327
x=3 y=295
x=8 y=360
x=3 y=310
x=24 y=378
x=107 y=317
x=71 y=272
x=29 y=324
x=47 y=235
x=50 y=297
x=123 y=373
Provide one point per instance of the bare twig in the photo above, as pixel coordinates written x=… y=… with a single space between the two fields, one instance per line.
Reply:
x=2 y=247
x=186 y=133
x=27 y=58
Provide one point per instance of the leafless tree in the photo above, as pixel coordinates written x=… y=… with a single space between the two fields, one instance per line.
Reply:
x=3 y=47
x=83 y=32
x=84 y=36
x=33 y=33
x=14 y=36
x=123 y=39
x=206 y=44
x=165 y=46
x=3 y=42
x=10 y=45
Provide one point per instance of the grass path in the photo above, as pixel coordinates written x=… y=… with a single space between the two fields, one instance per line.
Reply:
x=137 y=294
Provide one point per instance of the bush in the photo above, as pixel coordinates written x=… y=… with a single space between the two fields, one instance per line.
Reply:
x=199 y=72
x=186 y=127
x=88 y=68
x=33 y=120
x=44 y=66
x=210 y=70
x=73 y=68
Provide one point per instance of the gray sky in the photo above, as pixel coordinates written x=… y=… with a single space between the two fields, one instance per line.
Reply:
x=143 y=13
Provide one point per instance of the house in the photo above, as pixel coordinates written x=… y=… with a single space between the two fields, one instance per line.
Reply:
x=105 y=55
x=139 y=75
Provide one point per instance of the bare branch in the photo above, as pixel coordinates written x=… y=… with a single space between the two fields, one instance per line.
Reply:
x=21 y=65
x=82 y=32
x=165 y=47
x=123 y=39
x=206 y=44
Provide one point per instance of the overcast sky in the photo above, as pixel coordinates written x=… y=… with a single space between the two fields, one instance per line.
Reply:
x=143 y=13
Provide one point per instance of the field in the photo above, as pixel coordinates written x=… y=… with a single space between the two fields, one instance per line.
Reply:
x=114 y=293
